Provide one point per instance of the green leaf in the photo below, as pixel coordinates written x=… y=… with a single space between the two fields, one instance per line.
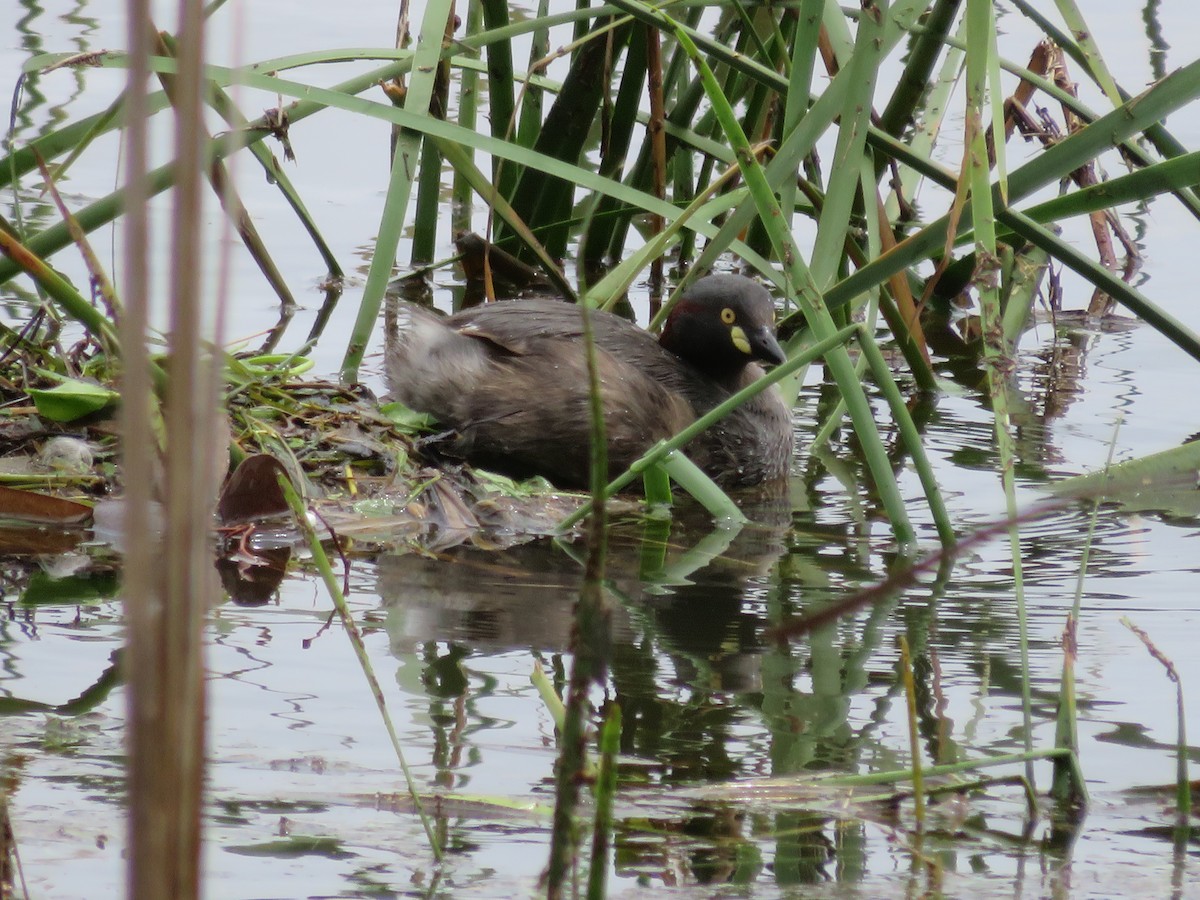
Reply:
x=72 y=400
x=406 y=419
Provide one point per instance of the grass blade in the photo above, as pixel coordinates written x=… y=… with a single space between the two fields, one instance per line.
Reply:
x=407 y=152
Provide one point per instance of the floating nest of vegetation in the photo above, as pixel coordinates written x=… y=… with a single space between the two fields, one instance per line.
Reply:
x=368 y=470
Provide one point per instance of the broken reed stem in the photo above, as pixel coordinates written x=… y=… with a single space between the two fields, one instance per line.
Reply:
x=1183 y=786
x=914 y=735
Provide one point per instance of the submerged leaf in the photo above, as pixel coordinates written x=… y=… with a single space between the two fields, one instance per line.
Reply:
x=79 y=589
x=32 y=507
x=1168 y=481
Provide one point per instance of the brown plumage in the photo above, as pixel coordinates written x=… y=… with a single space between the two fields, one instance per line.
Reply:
x=511 y=379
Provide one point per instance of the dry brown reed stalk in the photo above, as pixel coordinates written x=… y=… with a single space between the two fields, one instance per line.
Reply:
x=169 y=582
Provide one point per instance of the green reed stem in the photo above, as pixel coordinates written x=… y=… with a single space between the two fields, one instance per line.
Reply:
x=997 y=352
x=1066 y=727
x=406 y=153
x=657 y=485
x=908 y=433
x=606 y=790
x=468 y=113
x=941 y=771
x=703 y=489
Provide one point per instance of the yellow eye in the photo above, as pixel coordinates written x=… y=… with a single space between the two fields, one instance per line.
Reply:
x=728 y=316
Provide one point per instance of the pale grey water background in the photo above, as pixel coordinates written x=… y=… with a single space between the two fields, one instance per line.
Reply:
x=294 y=731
